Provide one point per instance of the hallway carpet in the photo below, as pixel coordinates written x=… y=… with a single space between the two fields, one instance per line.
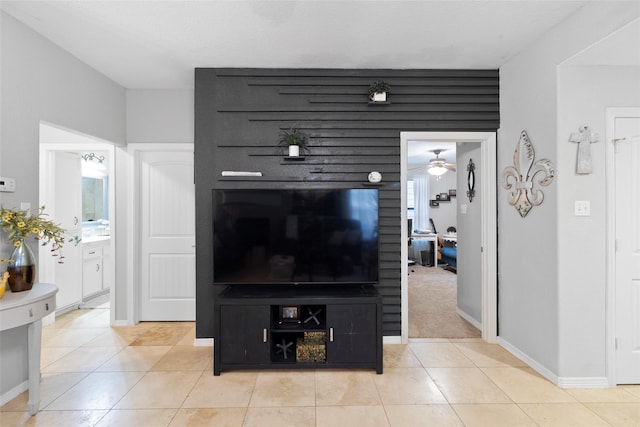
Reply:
x=432 y=305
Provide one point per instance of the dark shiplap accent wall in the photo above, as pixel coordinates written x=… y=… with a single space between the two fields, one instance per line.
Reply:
x=239 y=114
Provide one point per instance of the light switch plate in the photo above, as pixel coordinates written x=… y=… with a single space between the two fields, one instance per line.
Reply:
x=7 y=185
x=582 y=208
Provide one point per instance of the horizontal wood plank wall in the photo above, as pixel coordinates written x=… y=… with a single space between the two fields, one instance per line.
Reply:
x=239 y=114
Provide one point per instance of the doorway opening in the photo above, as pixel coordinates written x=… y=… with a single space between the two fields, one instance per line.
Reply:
x=432 y=206
x=77 y=173
x=484 y=146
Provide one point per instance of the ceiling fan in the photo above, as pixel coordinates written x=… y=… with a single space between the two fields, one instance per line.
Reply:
x=439 y=166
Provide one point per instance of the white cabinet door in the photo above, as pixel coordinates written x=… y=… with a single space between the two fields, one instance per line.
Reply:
x=91 y=277
x=167 y=236
x=67 y=211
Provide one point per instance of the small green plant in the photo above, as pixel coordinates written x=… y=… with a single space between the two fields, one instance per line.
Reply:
x=293 y=137
x=379 y=87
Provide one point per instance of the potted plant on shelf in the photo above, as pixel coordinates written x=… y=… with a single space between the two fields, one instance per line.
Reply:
x=378 y=91
x=295 y=140
x=20 y=226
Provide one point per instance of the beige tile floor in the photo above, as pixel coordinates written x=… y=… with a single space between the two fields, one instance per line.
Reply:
x=152 y=375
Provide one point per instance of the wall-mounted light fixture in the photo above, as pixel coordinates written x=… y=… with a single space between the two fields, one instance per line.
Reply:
x=92 y=156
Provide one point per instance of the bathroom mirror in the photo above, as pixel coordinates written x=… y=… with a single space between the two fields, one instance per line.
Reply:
x=94 y=199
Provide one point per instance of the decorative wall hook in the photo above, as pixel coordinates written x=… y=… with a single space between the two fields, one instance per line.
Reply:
x=584 y=137
x=522 y=177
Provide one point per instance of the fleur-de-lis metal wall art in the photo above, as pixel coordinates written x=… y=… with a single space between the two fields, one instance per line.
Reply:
x=524 y=176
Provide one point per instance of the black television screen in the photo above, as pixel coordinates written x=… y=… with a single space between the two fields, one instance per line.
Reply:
x=295 y=236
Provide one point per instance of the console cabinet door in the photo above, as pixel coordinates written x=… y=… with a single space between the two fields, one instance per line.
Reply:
x=354 y=333
x=244 y=332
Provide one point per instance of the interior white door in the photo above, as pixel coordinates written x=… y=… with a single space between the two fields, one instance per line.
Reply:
x=167 y=239
x=67 y=211
x=627 y=255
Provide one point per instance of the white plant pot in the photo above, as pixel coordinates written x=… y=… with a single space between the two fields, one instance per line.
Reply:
x=379 y=97
x=294 y=150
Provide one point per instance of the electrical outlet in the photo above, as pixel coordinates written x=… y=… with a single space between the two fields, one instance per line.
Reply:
x=7 y=185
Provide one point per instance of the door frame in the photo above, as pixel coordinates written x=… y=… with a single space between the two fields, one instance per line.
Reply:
x=489 y=231
x=134 y=197
x=47 y=187
x=611 y=114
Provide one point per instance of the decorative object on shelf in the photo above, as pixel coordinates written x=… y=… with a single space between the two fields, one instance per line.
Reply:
x=22 y=271
x=313 y=315
x=20 y=226
x=452 y=192
x=312 y=348
x=240 y=173
x=444 y=197
x=471 y=180
x=522 y=177
x=584 y=138
x=375 y=177
x=296 y=141
x=3 y=280
x=438 y=167
x=434 y=203
x=378 y=91
x=284 y=348
x=290 y=313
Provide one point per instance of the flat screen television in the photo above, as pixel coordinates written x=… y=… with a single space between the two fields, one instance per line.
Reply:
x=295 y=236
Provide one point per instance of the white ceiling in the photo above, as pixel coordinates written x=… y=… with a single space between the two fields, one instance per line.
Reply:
x=157 y=44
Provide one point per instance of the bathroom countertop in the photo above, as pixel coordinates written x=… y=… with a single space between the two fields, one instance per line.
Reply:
x=95 y=239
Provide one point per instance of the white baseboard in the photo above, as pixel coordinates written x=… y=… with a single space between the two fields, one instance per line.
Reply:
x=121 y=323
x=397 y=339
x=203 y=342
x=13 y=393
x=583 y=382
x=562 y=382
x=528 y=360
x=49 y=320
x=468 y=318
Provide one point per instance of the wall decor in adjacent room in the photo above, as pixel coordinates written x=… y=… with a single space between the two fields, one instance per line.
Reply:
x=471 y=180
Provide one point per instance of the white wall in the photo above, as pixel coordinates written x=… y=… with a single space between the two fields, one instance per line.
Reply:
x=41 y=82
x=533 y=309
x=469 y=233
x=584 y=93
x=444 y=216
x=160 y=115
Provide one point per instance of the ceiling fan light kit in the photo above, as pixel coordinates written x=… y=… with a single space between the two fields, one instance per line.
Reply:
x=438 y=166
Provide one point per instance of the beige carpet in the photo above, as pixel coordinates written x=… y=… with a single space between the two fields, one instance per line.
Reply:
x=432 y=305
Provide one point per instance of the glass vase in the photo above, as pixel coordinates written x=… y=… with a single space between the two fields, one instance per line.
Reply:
x=22 y=271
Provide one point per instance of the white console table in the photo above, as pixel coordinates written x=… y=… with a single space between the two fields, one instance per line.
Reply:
x=28 y=308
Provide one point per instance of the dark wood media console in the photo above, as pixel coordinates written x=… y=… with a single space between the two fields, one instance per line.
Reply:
x=298 y=327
